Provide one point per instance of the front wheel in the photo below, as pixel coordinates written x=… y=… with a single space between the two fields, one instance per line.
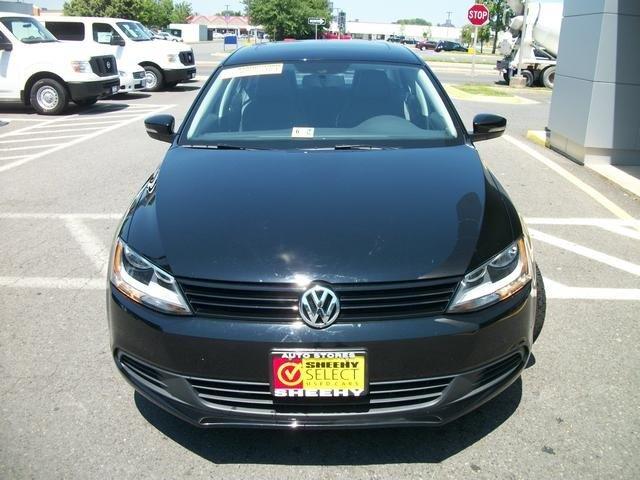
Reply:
x=154 y=77
x=541 y=305
x=48 y=97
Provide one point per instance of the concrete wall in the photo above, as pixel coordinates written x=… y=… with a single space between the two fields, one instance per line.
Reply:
x=381 y=31
x=595 y=107
x=16 y=7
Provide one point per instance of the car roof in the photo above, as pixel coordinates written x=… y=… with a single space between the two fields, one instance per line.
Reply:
x=351 y=50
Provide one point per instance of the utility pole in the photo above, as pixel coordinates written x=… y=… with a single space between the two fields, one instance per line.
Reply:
x=448 y=22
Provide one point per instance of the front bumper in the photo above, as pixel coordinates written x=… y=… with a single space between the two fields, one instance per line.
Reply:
x=131 y=82
x=98 y=89
x=467 y=359
x=179 y=75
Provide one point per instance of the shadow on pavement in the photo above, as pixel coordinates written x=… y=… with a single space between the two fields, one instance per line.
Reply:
x=340 y=447
x=183 y=88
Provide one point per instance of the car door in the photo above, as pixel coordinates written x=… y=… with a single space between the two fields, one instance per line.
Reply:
x=8 y=85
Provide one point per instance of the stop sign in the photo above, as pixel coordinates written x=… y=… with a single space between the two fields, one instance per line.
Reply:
x=478 y=15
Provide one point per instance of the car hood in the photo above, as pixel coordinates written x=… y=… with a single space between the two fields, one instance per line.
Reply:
x=335 y=216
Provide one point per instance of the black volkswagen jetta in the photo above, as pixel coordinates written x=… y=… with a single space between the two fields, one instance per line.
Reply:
x=322 y=247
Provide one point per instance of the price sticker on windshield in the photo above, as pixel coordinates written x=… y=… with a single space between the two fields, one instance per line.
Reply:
x=252 y=70
x=302 y=132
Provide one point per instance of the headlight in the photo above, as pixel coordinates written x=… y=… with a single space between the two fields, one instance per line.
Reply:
x=498 y=279
x=81 y=67
x=145 y=283
x=172 y=58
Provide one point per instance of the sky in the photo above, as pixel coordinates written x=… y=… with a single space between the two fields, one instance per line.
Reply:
x=434 y=11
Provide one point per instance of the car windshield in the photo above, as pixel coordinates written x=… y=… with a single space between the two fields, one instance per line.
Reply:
x=134 y=31
x=324 y=105
x=28 y=30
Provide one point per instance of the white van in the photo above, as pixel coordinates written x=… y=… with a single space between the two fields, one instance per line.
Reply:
x=132 y=75
x=165 y=63
x=37 y=69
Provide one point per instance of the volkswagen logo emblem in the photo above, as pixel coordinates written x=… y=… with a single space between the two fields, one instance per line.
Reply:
x=319 y=306
x=108 y=65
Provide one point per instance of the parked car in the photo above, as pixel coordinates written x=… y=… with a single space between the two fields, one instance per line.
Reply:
x=165 y=63
x=395 y=38
x=38 y=70
x=448 y=46
x=167 y=36
x=322 y=247
x=426 y=45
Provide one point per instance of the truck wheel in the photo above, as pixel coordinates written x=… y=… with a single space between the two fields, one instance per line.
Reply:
x=85 y=102
x=549 y=76
x=48 y=97
x=154 y=77
x=541 y=305
x=528 y=74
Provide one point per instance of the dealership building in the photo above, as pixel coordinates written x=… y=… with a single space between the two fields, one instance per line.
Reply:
x=382 y=31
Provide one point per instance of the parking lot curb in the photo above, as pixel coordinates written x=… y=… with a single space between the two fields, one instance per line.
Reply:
x=537 y=136
x=511 y=100
x=614 y=174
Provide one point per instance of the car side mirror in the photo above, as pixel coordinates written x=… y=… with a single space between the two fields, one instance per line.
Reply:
x=160 y=127
x=487 y=126
x=6 y=46
x=118 y=42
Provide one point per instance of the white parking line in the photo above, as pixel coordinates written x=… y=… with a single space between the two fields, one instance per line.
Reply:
x=88 y=136
x=589 y=190
x=54 y=283
x=61 y=216
x=13 y=157
x=29 y=147
x=42 y=132
x=610 y=260
x=91 y=245
x=558 y=290
x=37 y=139
x=619 y=227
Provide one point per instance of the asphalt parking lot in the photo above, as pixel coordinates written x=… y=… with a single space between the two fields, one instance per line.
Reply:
x=66 y=412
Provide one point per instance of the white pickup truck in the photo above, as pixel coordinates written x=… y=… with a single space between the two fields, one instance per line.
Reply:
x=37 y=69
x=165 y=63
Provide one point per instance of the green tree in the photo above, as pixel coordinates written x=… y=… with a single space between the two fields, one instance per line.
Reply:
x=85 y=8
x=287 y=18
x=484 y=35
x=466 y=34
x=414 y=21
x=231 y=13
x=426 y=34
x=500 y=15
x=181 y=12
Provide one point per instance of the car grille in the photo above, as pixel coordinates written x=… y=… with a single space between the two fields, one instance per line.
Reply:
x=384 y=396
x=104 y=66
x=186 y=58
x=279 y=302
x=138 y=75
x=257 y=396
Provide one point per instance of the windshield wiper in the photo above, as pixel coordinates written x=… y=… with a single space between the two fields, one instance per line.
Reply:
x=356 y=147
x=222 y=146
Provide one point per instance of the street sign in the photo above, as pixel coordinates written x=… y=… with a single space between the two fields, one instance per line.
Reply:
x=316 y=21
x=478 y=15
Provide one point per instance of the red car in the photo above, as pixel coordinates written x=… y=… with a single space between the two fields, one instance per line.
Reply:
x=426 y=45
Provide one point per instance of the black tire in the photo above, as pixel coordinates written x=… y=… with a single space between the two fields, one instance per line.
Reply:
x=48 y=97
x=548 y=77
x=541 y=305
x=528 y=74
x=155 y=78
x=86 y=102
x=423 y=48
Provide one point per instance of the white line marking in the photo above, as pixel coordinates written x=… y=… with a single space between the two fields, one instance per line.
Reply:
x=610 y=260
x=91 y=245
x=30 y=127
x=13 y=157
x=589 y=190
x=36 y=138
x=583 y=222
x=89 y=136
x=612 y=225
x=41 y=132
x=29 y=147
x=61 y=216
x=54 y=282
x=559 y=291
x=105 y=123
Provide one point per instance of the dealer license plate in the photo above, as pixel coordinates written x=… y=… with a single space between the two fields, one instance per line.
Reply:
x=318 y=373
x=114 y=89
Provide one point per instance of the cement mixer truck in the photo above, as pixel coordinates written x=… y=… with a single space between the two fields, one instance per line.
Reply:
x=538 y=47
